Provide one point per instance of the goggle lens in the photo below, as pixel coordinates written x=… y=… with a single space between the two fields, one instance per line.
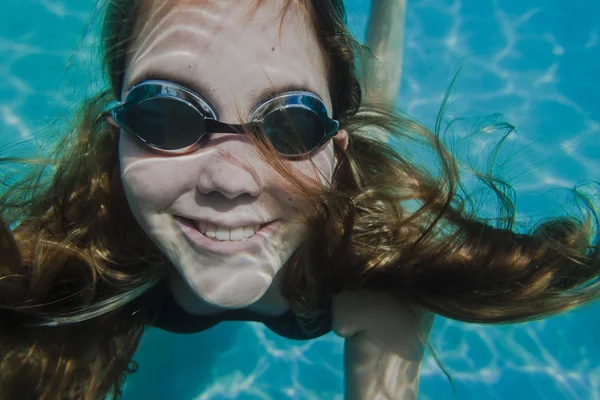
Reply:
x=294 y=131
x=166 y=123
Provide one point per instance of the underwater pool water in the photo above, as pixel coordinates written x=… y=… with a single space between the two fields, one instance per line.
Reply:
x=535 y=61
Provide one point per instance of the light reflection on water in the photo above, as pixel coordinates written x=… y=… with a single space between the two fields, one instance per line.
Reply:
x=535 y=61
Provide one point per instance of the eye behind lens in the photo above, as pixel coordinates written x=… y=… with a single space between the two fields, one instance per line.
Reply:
x=166 y=123
x=294 y=130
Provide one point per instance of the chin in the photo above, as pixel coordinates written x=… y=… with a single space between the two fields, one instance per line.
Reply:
x=241 y=296
x=220 y=288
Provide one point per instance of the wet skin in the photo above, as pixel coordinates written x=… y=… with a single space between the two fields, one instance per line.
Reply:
x=229 y=56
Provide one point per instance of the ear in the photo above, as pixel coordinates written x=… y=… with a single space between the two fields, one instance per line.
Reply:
x=114 y=127
x=341 y=139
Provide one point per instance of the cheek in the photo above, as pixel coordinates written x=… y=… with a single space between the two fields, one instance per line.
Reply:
x=139 y=190
x=321 y=166
x=149 y=181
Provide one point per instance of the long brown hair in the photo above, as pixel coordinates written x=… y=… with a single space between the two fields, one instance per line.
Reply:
x=75 y=259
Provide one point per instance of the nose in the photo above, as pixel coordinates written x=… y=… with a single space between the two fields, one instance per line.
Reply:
x=229 y=176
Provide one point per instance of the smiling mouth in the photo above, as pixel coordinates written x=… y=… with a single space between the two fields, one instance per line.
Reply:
x=222 y=234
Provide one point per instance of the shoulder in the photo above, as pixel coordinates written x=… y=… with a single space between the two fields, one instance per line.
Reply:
x=360 y=311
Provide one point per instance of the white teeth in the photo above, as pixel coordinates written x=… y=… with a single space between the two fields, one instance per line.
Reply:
x=211 y=231
x=222 y=233
x=249 y=231
x=226 y=234
x=236 y=234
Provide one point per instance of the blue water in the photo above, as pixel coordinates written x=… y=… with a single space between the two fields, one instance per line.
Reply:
x=535 y=61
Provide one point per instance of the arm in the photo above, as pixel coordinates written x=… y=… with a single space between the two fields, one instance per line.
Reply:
x=383 y=351
x=385 y=37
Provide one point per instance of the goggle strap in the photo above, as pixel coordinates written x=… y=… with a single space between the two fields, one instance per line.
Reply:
x=119 y=114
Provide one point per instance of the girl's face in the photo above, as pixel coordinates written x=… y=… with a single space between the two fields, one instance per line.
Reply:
x=222 y=51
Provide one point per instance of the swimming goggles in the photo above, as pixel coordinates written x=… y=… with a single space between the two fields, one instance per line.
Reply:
x=172 y=119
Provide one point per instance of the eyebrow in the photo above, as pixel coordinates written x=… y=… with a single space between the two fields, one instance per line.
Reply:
x=210 y=94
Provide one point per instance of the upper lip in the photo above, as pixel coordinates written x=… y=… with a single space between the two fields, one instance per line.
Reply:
x=239 y=223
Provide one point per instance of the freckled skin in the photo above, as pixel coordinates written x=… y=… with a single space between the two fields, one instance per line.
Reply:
x=216 y=44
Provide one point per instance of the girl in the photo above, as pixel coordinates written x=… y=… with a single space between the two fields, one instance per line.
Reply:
x=231 y=173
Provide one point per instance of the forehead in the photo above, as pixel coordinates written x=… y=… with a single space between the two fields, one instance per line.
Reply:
x=228 y=47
